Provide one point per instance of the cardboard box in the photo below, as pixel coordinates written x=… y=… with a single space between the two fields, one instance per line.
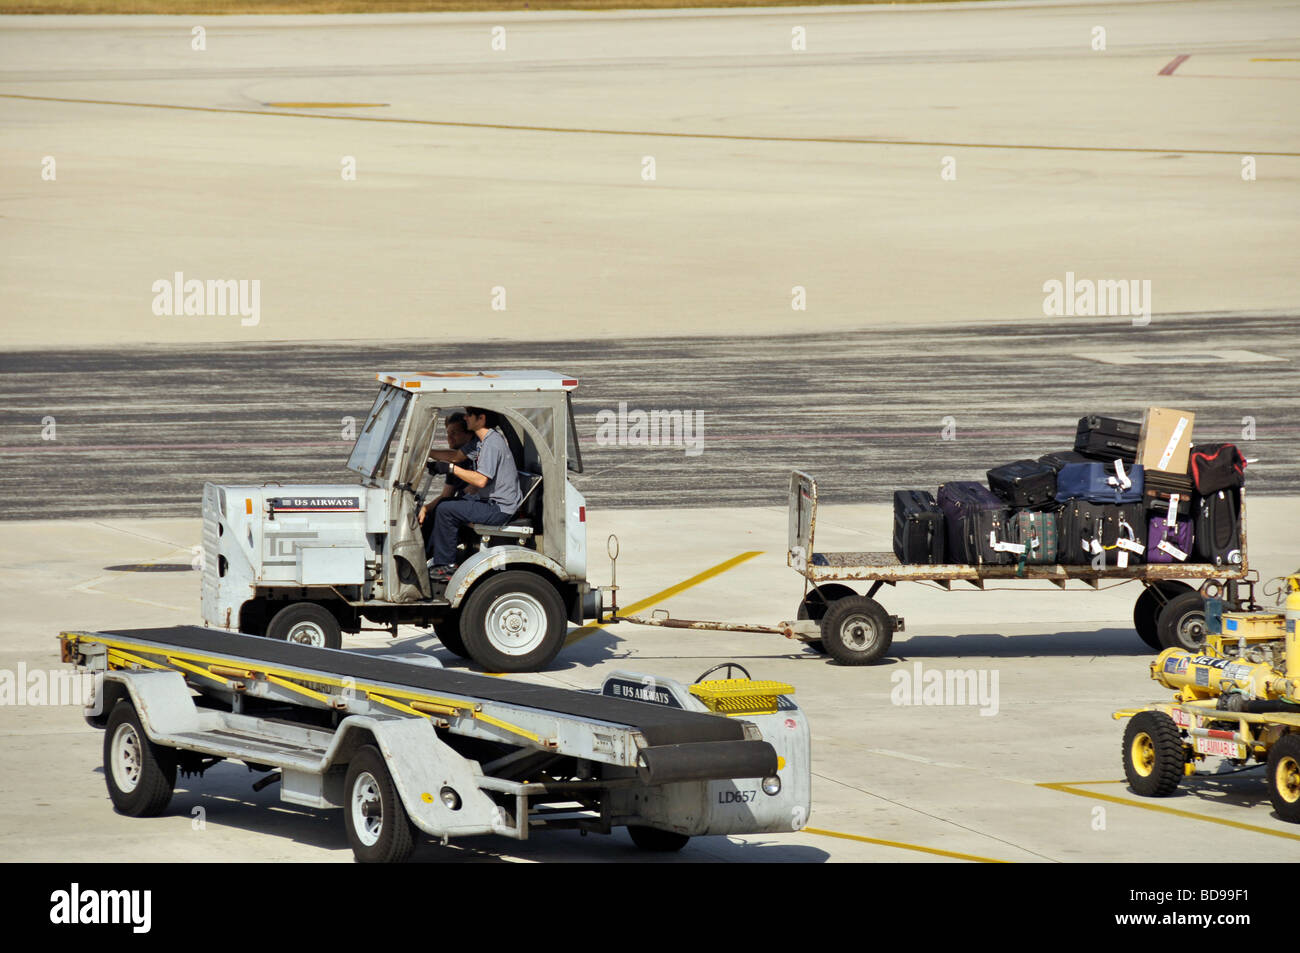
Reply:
x=1166 y=439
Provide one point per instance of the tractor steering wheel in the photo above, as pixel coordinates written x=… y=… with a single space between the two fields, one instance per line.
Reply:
x=728 y=666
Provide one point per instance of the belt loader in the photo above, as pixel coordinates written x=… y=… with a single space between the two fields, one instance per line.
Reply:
x=404 y=746
x=1237 y=698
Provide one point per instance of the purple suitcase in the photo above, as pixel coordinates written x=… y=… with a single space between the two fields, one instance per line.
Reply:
x=1180 y=538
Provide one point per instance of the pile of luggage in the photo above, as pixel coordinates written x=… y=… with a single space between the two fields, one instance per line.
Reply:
x=1128 y=493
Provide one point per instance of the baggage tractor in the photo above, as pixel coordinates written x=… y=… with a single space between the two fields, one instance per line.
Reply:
x=1091 y=533
x=918 y=528
x=1037 y=531
x=1105 y=438
x=976 y=523
x=1169 y=543
x=1099 y=483
x=1024 y=483
x=1216 y=531
x=1060 y=458
x=1216 y=466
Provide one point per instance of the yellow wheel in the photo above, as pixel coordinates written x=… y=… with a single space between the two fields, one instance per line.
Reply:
x=1284 y=777
x=1154 y=754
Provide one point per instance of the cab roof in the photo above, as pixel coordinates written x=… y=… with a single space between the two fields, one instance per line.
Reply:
x=476 y=381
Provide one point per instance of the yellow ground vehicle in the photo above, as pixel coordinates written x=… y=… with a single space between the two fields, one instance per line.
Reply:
x=1237 y=699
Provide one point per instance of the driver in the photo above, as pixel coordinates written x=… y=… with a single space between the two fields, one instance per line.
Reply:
x=462 y=446
x=494 y=483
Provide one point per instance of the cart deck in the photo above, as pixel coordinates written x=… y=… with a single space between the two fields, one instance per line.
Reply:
x=885 y=567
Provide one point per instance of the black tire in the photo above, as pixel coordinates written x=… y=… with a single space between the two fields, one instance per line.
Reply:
x=1154 y=754
x=448 y=632
x=306 y=623
x=1181 y=623
x=379 y=829
x=653 y=839
x=856 y=630
x=513 y=621
x=1284 y=777
x=140 y=774
x=815 y=604
x=1147 y=609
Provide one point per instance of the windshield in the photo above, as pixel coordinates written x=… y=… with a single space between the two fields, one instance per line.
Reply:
x=370 y=454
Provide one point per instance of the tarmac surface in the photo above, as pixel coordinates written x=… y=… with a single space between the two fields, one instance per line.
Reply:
x=866 y=413
x=776 y=169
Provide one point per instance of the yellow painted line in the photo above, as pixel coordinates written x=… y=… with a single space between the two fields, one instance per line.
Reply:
x=1071 y=788
x=902 y=846
x=658 y=134
x=322 y=105
x=579 y=634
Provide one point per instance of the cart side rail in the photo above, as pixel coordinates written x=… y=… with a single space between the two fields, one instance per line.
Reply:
x=802 y=508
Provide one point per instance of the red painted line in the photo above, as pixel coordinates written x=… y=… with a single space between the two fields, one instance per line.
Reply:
x=1173 y=64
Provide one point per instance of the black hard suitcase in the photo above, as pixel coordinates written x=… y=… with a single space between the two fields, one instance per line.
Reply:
x=1216 y=529
x=1060 y=458
x=1159 y=485
x=1105 y=438
x=1083 y=523
x=1024 y=483
x=918 y=528
x=976 y=521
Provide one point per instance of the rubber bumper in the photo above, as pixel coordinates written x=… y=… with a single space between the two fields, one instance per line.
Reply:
x=706 y=761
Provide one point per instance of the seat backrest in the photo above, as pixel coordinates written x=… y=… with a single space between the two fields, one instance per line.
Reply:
x=530 y=485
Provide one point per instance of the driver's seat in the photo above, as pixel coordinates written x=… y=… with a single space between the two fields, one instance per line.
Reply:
x=523 y=524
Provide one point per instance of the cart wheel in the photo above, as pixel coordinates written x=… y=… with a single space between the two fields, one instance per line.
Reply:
x=856 y=630
x=1154 y=755
x=815 y=604
x=1181 y=623
x=653 y=839
x=448 y=631
x=308 y=624
x=1284 y=777
x=140 y=774
x=379 y=829
x=1147 y=609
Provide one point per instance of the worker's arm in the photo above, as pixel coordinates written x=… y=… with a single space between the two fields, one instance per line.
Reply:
x=450 y=456
x=472 y=477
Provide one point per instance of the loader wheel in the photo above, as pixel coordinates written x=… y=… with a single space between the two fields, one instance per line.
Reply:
x=1284 y=777
x=1181 y=623
x=1147 y=609
x=653 y=839
x=448 y=632
x=513 y=621
x=816 y=603
x=379 y=829
x=308 y=624
x=856 y=630
x=140 y=774
x=1153 y=754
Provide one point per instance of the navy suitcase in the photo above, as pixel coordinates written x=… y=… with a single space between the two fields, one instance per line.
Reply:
x=1024 y=483
x=1098 y=483
x=976 y=521
x=1060 y=458
x=1106 y=438
x=918 y=528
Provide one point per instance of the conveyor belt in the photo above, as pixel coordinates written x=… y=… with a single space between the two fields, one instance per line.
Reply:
x=660 y=725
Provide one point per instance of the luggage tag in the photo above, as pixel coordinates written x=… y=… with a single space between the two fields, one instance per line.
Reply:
x=1173 y=444
x=1000 y=547
x=1120 y=479
x=1171 y=518
x=1167 y=547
